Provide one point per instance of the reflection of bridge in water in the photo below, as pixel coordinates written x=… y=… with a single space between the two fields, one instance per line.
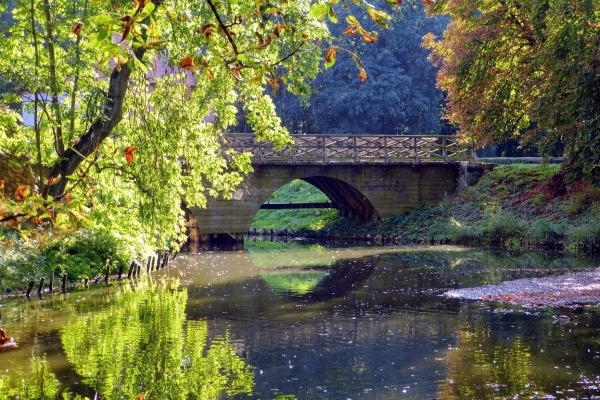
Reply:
x=322 y=283
x=364 y=176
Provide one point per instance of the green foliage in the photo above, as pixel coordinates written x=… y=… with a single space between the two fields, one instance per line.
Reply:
x=81 y=254
x=296 y=191
x=115 y=142
x=540 y=199
x=399 y=97
x=143 y=344
x=37 y=383
x=508 y=206
x=20 y=262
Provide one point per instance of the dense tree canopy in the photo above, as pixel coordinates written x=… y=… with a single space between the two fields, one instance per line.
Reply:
x=114 y=134
x=524 y=67
x=400 y=96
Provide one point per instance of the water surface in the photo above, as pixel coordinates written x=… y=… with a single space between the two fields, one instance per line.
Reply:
x=308 y=322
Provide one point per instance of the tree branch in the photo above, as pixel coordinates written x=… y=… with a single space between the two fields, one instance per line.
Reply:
x=222 y=25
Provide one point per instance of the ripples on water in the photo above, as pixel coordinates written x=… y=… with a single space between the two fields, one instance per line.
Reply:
x=306 y=322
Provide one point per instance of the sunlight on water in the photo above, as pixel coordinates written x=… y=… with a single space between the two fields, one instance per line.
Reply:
x=308 y=322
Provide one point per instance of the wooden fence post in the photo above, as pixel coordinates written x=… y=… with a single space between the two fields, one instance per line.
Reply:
x=64 y=284
x=31 y=283
x=39 y=292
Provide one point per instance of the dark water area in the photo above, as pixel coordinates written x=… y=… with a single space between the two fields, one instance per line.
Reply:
x=292 y=321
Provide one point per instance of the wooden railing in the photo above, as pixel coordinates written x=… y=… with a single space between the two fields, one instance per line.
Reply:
x=355 y=149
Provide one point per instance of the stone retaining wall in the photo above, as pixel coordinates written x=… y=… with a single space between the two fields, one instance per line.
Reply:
x=15 y=172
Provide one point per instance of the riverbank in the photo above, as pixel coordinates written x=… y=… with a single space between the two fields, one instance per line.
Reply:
x=513 y=206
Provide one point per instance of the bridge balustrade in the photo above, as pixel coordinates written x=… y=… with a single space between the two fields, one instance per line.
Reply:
x=356 y=149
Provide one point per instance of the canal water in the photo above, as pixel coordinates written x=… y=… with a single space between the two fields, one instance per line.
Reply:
x=293 y=321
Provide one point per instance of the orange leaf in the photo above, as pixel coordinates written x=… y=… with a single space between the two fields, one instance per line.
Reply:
x=13 y=222
x=351 y=30
x=370 y=38
x=363 y=74
x=188 y=63
x=1 y=184
x=209 y=73
x=129 y=153
x=277 y=30
x=77 y=28
x=116 y=6
x=22 y=192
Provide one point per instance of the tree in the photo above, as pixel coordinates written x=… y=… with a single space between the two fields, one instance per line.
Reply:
x=399 y=97
x=122 y=141
x=524 y=67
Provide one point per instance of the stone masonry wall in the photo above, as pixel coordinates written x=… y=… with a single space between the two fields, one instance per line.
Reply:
x=15 y=172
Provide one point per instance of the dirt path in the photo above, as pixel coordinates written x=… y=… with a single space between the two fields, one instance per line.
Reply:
x=570 y=290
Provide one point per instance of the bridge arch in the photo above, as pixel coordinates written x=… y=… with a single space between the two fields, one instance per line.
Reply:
x=352 y=203
x=371 y=190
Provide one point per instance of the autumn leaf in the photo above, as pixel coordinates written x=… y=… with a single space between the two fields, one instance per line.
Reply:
x=188 y=63
x=206 y=29
x=1 y=184
x=330 y=56
x=351 y=30
x=277 y=30
x=370 y=38
x=236 y=74
x=53 y=180
x=209 y=73
x=129 y=153
x=363 y=74
x=77 y=28
x=22 y=192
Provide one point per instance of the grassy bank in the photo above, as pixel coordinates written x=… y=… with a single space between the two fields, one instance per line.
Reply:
x=81 y=254
x=512 y=206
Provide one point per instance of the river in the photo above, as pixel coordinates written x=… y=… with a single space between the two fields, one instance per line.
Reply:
x=305 y=321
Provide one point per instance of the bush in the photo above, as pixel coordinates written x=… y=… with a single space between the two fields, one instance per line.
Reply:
x=544 y=232
x=540 y=199
x=83 y=254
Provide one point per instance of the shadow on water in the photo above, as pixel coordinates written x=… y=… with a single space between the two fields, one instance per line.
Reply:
x=306 y=322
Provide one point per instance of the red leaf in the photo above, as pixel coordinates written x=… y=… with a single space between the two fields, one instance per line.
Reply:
x=277 y=30
x=129 y=153
x=77 y=28
x=126 y=32
x=188 y=63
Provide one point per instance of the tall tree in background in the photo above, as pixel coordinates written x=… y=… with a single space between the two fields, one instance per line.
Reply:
x=400 y=96
x=112 y=133
x=525 y=67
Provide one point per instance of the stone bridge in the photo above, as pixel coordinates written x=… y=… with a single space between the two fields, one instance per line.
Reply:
x=366 y=177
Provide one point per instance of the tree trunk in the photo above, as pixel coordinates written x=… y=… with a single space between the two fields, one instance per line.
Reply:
x=98 y=131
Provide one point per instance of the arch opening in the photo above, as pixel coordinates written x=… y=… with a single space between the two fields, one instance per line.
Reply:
x=295 y=204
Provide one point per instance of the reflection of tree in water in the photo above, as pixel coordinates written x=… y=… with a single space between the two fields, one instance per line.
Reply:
x=37 y=383
x=484 y=367
x=141 y=343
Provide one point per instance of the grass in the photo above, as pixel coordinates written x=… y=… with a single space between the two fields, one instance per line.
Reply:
x=296 y=191
x=511 y=206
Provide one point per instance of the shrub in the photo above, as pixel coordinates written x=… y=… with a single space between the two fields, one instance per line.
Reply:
x=544 y=232
x=83 y=254
x=540 y=199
